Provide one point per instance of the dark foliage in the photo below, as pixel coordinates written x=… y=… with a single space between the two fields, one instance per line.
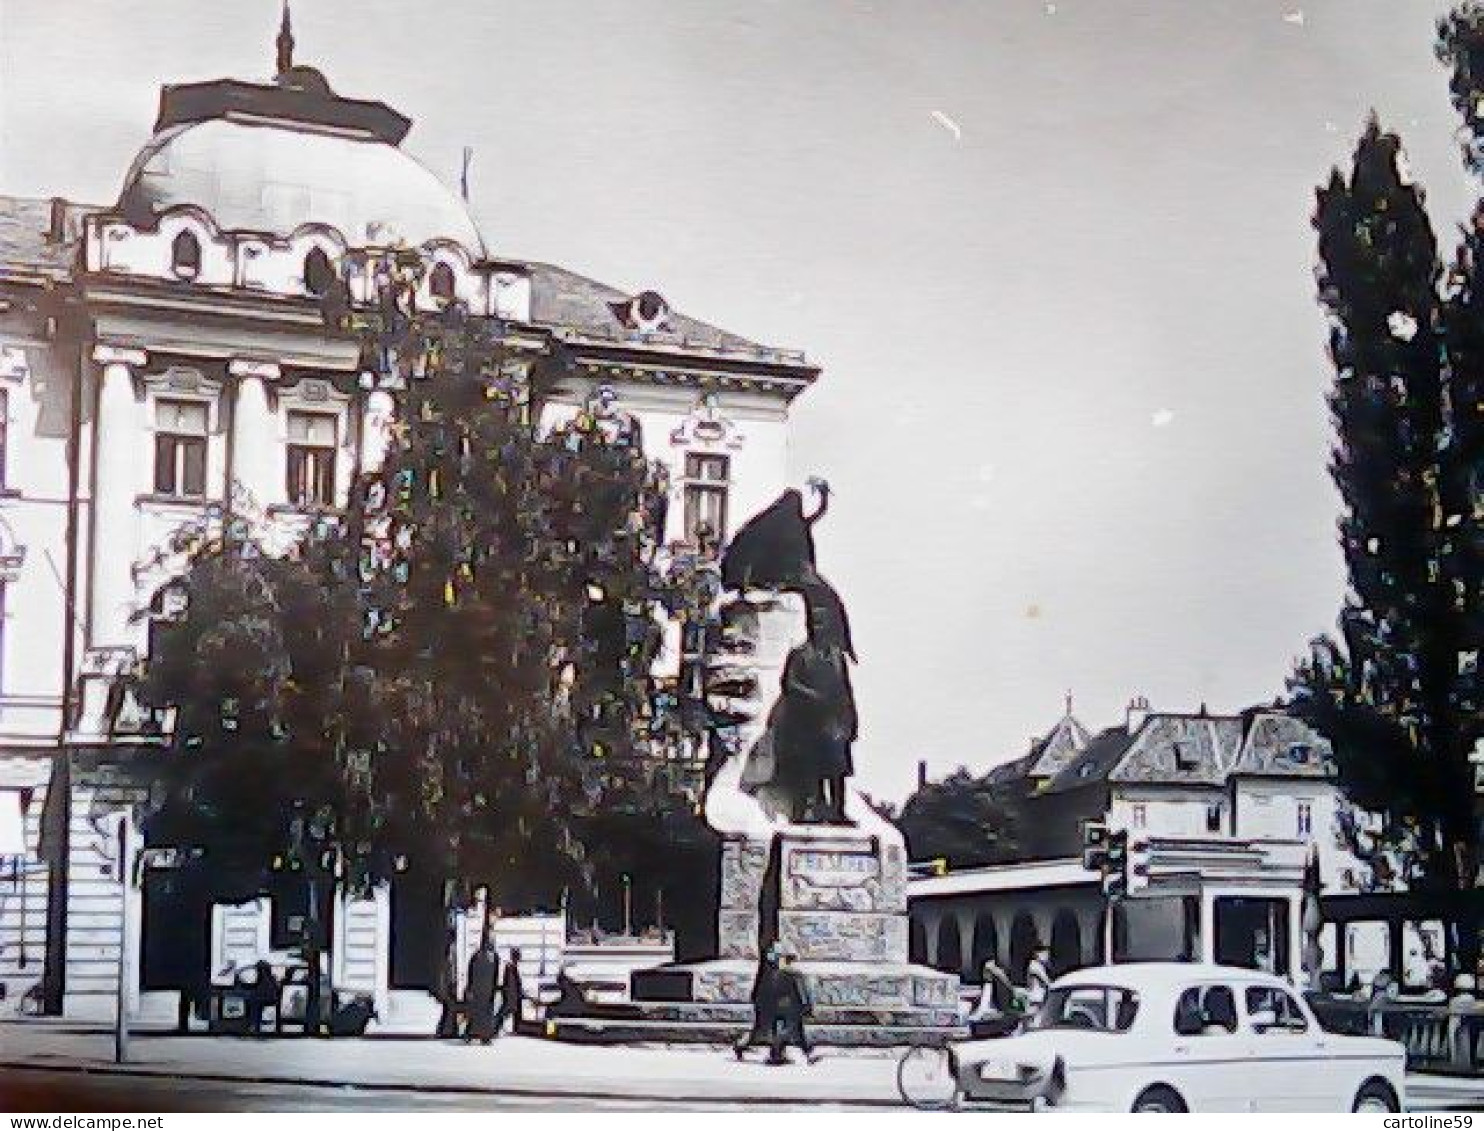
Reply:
x=966 y=820
x=1399 y=694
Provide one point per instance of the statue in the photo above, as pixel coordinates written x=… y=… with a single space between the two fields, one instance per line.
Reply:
x=807 y=864
x=803 y=757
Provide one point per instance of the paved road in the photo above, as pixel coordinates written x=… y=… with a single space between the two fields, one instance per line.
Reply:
x=48 y=1091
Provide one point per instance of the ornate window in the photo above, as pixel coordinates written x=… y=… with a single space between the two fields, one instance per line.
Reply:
x=180 y=448
x=706 y=486
x=311 y=459
x=1305 y=819
x=441 y=283
x=1140 y=815
x=319 y=272
x=185 y=256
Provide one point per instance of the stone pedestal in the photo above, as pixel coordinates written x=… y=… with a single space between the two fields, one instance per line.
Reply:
x=841 y=900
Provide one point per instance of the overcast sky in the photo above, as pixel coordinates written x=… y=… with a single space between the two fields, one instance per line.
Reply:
x=1055 y=259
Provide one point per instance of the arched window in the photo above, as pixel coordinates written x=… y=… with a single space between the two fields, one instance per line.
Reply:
x=916 y=940
x=950 y=947
x=985 y=946
x=319 y=272
x=1024 y=939
x=441 y=282
x=1066 y=943
x=185 y=256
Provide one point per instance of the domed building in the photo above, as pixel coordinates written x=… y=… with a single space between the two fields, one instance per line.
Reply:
x=164 y=362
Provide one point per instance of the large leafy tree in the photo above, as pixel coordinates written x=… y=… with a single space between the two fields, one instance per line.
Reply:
x=509 y=586
x=966 y=820
x=1399 y=693
x=457 y=677
x=252 y=669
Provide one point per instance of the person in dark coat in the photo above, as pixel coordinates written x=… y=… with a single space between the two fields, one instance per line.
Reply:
x=793 y=1006
x=764 y=1003
x=510 y=994
x=451 y=1015
x=479 y=992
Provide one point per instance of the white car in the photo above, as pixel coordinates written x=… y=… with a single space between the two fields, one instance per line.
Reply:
x=1165 y=1036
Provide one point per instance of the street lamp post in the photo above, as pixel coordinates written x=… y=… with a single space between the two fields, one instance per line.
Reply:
x=628 y=907
x=126 y=943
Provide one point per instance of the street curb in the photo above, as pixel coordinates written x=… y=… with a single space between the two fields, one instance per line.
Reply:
x=435 y=1089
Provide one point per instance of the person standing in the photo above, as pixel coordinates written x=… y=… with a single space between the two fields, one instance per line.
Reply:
x=793 y=1006
x=479 y=992
x=764 y=1003
x=1038 y=976
x=510 y=994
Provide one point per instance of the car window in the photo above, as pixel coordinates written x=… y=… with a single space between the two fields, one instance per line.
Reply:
x=1206 y=1011
x=1103 y=1009
x=1273 y=1010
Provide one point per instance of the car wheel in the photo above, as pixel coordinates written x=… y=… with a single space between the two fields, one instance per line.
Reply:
x=1160 y=1099
x=1377 y=1098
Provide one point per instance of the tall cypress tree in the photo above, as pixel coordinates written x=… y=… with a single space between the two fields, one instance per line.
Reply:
x=1399 y=700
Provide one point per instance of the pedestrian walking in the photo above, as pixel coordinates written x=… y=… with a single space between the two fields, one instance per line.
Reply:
x=793 y=1006
x=511 y=994
x=451 y=1014
x=764 y=1003
x=479 y=992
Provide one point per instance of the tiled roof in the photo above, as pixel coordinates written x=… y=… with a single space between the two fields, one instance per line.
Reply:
x=1277 y=744
x=1010 y=771
x=559 y=298
x=1066 y=740
x=1094 y=763
x=1181 y=750
x=24 y=246
x=564 y=298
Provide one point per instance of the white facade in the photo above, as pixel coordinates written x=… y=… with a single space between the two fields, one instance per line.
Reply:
x=164 y=362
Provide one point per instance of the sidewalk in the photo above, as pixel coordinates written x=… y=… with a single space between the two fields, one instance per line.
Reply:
x=512 y=1066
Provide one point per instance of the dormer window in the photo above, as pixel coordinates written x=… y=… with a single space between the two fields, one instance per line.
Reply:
x=441 y=283
x=1300 y=753
x=647 y=312
x=1184 y=757
x=319 y=272
x=185 y=256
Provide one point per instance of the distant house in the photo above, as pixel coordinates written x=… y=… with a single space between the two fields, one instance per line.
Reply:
x=1225 y=812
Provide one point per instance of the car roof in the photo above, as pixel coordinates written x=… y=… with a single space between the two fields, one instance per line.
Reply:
x=1154 y=976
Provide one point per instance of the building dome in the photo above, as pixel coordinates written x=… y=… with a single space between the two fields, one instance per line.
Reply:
x=275 y=176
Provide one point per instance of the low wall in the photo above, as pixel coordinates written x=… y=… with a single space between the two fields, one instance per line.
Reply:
x=1437 y=1038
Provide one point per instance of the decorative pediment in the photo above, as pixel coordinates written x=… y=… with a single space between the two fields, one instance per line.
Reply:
x=183 y=379
x=706 y=426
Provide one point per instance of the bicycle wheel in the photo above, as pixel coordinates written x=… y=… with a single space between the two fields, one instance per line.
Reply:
x=926 y=1079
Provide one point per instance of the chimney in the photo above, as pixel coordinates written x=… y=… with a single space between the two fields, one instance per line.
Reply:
x=56 y=228
x=922 y=774
x=1135 y=713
